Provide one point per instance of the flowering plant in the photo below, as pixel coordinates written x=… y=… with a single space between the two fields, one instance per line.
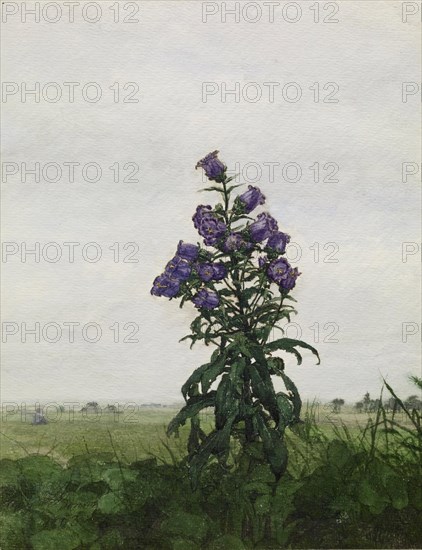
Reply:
x=239 y=282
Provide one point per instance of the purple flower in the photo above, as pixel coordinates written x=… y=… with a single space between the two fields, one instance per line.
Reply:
x=235 y=241
x=206 y=298
x=283 y=274
x=211 y=272
x=178 y=268
x=214 y=168
x=187 y=251
x=201 y=213
x=262 y=260
x=205 y=272
x=220 y=271
x=263 y=227
x=165 y=286
x=290 y=280
x=278 y=242
x=251 y=198
x=208 y=225
x=278 y=270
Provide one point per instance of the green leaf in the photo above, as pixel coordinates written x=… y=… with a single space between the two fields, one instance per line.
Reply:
x=188 y=526
x=9 y=473
x=196 y=435
x=183 y=544
x=295 y=397
x=261 y=381
x=243 y=344
x=274 y=447
x=261 y=473
x=226 y=402
x=276 y=365
x=213 y=370
x=247 y=294
x=262 y=505
x=217 y=443
x=289 y=344
x=190 y=387
x=192 y=408
x=236 y=374
x=263 y=389
x=213 y=188
x=110 y=503
x=396 y=489
x=38 y=468
x=370 y=497
x=13 y=527
x=116 y=477
x=227 y=542
x=338 y=453
x=65 y=539
x=285 y=411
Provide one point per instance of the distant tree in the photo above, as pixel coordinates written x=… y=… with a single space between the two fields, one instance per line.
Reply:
x=366 y=401
x=337 y=404
x=92 y=405
x=413 y=402
x=62 y=408
x=359 y=406
x=374 y=405
x=393 y=405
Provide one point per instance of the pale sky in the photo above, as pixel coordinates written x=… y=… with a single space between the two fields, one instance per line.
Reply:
x=170 y=53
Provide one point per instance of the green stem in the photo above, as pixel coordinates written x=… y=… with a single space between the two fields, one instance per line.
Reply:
x=226 y=202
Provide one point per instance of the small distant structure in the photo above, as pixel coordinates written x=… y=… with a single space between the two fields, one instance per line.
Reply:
x=91 y=407
x=337 y=404
x=155 y=405
x=38 y=418
x=112 y=409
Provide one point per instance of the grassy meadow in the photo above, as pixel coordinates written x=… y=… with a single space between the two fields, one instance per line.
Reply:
x=135 y=435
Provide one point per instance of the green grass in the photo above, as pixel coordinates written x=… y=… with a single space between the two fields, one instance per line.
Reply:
x=134 y=436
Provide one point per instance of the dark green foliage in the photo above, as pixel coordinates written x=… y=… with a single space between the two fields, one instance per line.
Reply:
x=361 y=491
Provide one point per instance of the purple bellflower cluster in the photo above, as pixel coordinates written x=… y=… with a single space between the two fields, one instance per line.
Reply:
x=191 y=274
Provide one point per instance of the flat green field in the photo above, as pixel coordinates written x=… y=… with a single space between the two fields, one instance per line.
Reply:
x=132 y=435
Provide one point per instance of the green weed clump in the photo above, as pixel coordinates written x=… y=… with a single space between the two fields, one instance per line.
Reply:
x=345 y=488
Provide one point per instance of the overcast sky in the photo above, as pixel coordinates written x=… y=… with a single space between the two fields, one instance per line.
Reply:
x=356 y=305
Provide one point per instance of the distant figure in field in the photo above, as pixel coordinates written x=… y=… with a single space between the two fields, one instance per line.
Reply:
x=39 y=418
